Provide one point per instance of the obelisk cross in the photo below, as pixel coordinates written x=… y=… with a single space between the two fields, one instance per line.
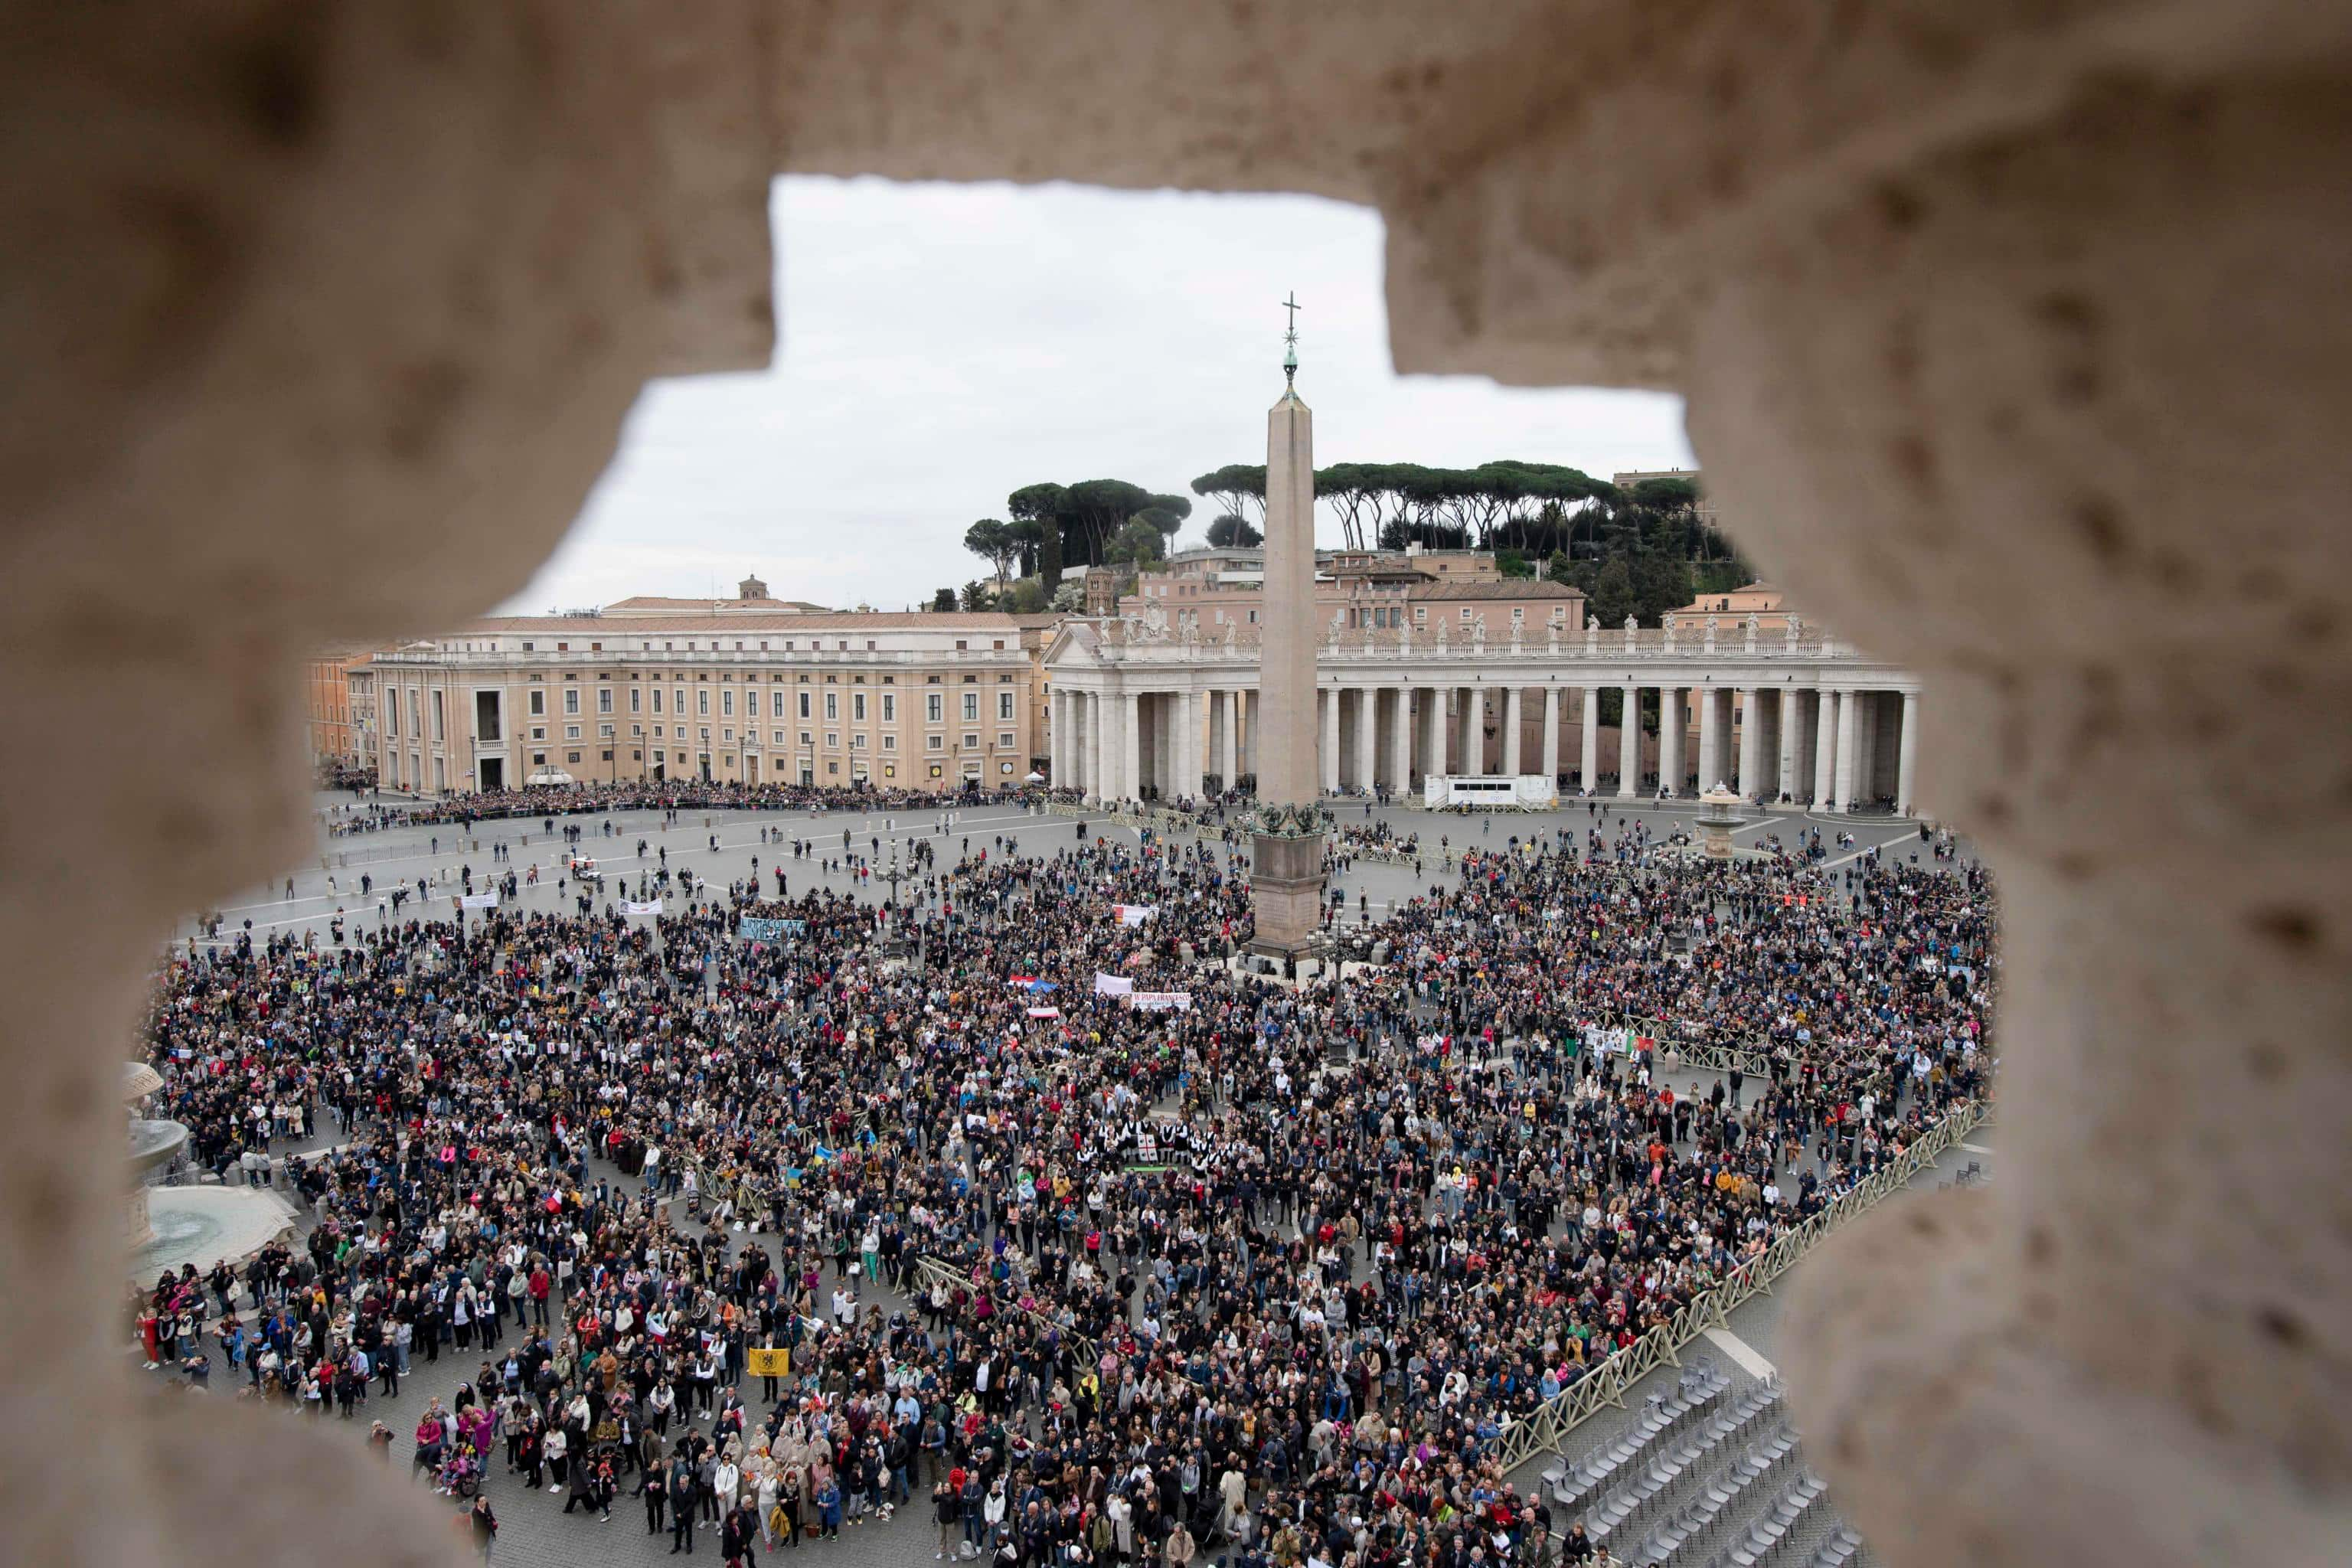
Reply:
x=1290 y=340
x=1293 y=306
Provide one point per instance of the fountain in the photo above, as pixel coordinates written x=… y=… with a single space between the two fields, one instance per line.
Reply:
x=153 y=1146
x=1718 y=822
x=169 y=1226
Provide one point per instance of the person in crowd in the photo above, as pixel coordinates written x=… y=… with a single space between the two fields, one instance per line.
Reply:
x=1385 y=1215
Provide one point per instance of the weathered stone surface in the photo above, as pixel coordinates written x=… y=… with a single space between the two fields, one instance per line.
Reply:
x=2015 y=335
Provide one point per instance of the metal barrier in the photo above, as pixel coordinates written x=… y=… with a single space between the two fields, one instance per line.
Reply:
x=1547 y=1429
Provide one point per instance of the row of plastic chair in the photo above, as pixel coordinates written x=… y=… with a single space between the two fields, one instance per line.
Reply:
x=1838 y=1549
x=1723 y=1500
x=1692 y=1456
x=1695 y=1393
x=1781 y=1525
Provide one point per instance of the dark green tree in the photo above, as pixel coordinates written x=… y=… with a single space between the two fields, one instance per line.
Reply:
x=1238 y=488
x=1042 y=506
x=1136 y=543
x=1029 y=534
x=943 y=599
x=1095 y=510
x=1230 y=531
x=992 y=540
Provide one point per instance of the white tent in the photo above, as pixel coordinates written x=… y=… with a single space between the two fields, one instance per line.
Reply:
x=549 y=776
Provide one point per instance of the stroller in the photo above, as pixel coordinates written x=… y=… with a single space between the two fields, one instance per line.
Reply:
x=461 y=1472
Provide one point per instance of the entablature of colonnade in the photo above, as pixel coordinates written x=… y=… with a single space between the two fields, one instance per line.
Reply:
x=1133 y=655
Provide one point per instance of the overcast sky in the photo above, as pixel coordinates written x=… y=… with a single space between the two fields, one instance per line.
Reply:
x=943 y=345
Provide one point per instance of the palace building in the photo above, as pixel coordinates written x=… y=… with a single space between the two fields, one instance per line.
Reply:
x=918 y=701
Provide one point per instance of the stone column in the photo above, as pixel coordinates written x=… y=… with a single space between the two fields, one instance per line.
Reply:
x=1099 y=751
x=1148 y=749
x=1252 y=715
x=1229 y=736
x=1825 y=725
x=1331 y=747
x=1670 y=740
x=1401 y=739
x=1553 y=695
x=1710 y=741
x=1849 y=749
x=1131 y=745
x=1514 y=721
x=1629 y=745
x=1162 y=730
x=1368 y=738
x=1196 y=748
x=1791 y=735
x=1432 y=732
x=1751 y=741
x=1213 y=734
x=1908 y=757
x=1470 y=732
x=1588 y=767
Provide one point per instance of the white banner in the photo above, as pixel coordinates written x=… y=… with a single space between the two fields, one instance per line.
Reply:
x=479 y=902
x=1045 y=1012
x=1113 y=984
x=631 y=907
x=1160 y=1001
x=1135 y=914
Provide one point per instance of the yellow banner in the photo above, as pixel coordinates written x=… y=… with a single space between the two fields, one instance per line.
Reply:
x=773 y=1361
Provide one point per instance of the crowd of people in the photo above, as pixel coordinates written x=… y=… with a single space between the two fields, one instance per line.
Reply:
x=1002 y=1200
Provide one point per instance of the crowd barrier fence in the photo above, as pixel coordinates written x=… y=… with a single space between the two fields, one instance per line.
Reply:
x=1546 y=1430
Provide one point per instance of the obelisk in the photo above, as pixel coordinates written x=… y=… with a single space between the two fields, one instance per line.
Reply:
x=1287 y=842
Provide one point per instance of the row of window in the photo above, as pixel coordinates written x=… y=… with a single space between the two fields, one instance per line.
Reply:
x=815 y=645
x=861 y=706
x=412 y=776
x=934 y=704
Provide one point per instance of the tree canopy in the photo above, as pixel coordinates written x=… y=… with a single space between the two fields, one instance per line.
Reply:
x=1233 y=531
x=1058 y=526
x=1238 y=488
x=1653 y=531
x=994 y=542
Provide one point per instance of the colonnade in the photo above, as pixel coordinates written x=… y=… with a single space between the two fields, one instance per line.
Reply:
x=1823 y=747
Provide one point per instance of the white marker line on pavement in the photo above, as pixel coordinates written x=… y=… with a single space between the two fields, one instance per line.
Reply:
x=1976 y=1148
x=1741 y=1352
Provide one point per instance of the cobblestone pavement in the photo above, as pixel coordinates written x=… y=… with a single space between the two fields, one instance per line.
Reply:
x=405 y=854
x=534 y=1530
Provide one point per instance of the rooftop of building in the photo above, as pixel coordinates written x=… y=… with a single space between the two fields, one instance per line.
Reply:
x=742 y=623
x=655 y=605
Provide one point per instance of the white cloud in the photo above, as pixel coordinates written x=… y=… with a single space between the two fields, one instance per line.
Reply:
x=945 y=344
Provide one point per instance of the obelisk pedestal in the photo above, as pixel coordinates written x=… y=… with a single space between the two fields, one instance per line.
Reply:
x=1287 y=836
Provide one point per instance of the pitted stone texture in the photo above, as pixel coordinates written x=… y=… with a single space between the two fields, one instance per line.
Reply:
x=2016 y=338
x=1920 y=1388
x=249 y=1484
x=2040 y=366
x=319 y=322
